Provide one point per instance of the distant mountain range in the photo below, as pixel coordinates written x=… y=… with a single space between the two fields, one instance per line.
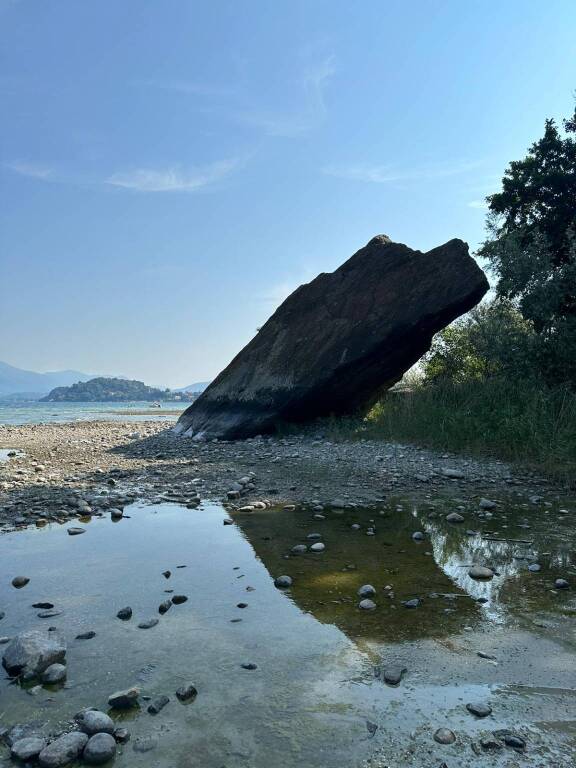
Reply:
x=19 y=384
x=32 y=385
x=200 y=386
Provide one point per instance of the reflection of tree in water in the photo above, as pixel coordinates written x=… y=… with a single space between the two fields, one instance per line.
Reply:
x=326 y=584
x=435 y=570
x=515 y=588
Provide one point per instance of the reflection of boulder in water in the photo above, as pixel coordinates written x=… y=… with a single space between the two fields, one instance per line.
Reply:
x=326 y=584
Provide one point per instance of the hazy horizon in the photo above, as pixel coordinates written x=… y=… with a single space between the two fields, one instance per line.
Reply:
x=170 y=172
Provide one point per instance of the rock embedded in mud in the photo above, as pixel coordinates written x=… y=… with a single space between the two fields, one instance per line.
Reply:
x=100 y=749
x=186 y=693
x=338 y=342
x=34 y=651
x=514 y=741
x=283 y=582
x=445 y=736
x=480 y=572
x=63 y=750
x=27 y=749
x=92 y=721
x=124 y=699
x=393 y=675
x=480 y=710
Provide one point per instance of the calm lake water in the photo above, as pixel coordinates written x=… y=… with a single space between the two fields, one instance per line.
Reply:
x=34 y=412
x=315 y=699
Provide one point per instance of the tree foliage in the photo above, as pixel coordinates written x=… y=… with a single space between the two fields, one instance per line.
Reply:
x=531 y=246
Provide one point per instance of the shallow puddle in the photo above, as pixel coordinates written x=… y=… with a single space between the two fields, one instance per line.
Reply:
x=315 y=698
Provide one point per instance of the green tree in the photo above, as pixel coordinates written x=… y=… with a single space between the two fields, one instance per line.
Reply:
x=531 y=245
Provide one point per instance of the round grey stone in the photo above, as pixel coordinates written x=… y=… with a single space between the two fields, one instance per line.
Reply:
x=480 y=710
x=92 y=721
x=55 y=673
x=454 y=517
x=318 y=547
x=561 y=584
x=418 y=536
x=367 y=605
x=283 y=582
x=28 y=748
x=444 y=736
x=100 y=749
x=366 y=590
x=480 y=572
x=63 y=750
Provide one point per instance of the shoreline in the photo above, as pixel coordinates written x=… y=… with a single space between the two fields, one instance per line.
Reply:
x=65 y=467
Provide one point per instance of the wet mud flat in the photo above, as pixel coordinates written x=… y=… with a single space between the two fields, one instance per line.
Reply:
x=302 y=675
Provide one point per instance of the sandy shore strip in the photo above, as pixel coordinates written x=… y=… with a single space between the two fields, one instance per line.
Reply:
x=63 y=470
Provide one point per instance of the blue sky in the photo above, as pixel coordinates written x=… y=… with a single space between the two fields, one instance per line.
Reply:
x=170 y=171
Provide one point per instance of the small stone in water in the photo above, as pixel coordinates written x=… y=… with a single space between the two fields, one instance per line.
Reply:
x=186 y=692
x=165 y=606
x=454 y=517
x=367 y=605
x=158 y=705
x=179 y=599
x=27 y=749
x=561 y=584
x=534 y=567
x=86 y=635
x=414 y=603
x=124 y=699
x=20 y=581
x=444 y=736
x=147 y=623
x=318 y=547
x=249 y=666
x=55 y=673
x=125 y=613
x=283 y=582
x=418 y=536
x=299 y=549
x=92 y=721
x=122 y=735
x=76 y=531
x=100 y=749
x=63 y=750
x=43 y=606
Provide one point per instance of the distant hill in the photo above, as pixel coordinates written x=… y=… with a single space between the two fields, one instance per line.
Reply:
x=33 y=385
x=200 y=386
x=104 y=389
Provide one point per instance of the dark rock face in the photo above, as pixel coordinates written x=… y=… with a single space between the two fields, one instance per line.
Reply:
x=340 y=341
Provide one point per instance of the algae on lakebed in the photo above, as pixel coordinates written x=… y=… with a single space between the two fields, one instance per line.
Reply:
x=314 y=689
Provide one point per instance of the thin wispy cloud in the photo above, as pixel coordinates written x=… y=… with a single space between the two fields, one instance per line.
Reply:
x=189 y=88
x=30 y=170
x=173 y=179
x=384 y=174
x=313 y=82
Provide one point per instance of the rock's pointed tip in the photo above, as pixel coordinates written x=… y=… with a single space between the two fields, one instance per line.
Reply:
x=379 y=240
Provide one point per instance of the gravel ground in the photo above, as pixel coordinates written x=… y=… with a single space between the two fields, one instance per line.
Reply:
x=66 y=470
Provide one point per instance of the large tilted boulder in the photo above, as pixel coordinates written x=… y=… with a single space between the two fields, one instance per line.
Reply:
x=338 y=342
